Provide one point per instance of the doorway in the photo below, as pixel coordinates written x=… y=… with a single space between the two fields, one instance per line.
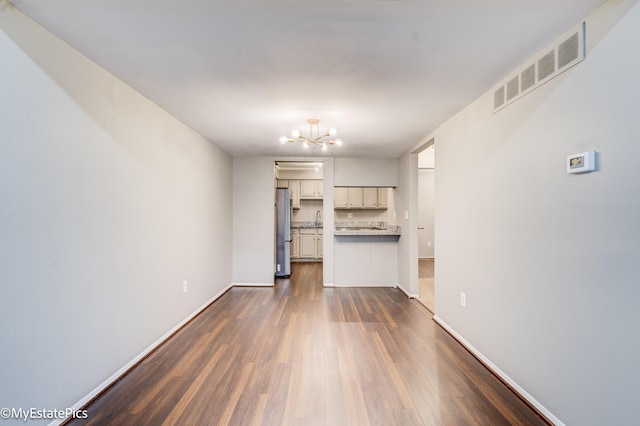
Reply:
x=426 y=237
x=305 y=182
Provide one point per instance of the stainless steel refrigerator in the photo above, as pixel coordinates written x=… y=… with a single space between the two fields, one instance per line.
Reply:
x=283 y=232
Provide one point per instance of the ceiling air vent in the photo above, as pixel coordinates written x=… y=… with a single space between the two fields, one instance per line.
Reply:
x=555 y=59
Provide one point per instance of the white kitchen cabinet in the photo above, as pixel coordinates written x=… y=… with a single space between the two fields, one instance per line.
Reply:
x=354 y=197
x=294 y=191
x=370 y=198
x=383 y=198
x=307 y=189
x=308 y=243
x=295 y=243
x=375 y=198
x=294 y=186
x=311 y=189
x=340 y=198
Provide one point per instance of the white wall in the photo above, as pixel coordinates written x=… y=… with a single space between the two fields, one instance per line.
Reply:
x=362 y=215
x=426 y=201
x=107 y=204
x=406 y=208
x=253 y=220
x=307 y=211
x=366 y=172
x=549 y=261
x=300 y=174
x=426 y=210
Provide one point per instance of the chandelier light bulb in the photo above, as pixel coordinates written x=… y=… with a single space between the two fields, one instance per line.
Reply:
x=316 y=137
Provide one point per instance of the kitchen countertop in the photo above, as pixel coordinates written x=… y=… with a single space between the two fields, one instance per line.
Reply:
x=366 y=228
x=311 y=224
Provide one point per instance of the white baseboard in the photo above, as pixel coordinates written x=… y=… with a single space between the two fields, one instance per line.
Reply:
x=426 y=257
x=409 y=295
x=347 y=285
x=102 y=386
x=328 y=285
x=494 y=368
x=252 y=285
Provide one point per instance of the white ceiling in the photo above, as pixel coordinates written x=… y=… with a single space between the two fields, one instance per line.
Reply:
x=385 y=73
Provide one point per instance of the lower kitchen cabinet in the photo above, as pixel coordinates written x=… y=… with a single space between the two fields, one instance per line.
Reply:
x=295 y=243
x=306 y=244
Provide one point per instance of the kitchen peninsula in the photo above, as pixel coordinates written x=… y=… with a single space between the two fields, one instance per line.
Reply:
x=366 y=254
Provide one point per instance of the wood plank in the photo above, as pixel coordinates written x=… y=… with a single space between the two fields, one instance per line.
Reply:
x=299 y=353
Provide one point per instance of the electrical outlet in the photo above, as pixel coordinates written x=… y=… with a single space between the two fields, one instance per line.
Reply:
x=349 y=215
x=463 y=299
x=406 y=215
x=278 y=267
x=428 y=243
x=185 y=287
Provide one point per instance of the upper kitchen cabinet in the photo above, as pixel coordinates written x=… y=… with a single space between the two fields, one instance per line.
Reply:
x=294 y=190
x=361 y=198
x=311 y=189
x=294 y=186
x=370 y=198
x=340 y=198
x=383 y=198
x=355 y=198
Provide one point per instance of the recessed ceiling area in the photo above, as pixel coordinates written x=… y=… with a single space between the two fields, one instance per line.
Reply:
x=242 y=73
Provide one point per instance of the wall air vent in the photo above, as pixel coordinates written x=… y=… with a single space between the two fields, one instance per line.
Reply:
x=513 y=88
x=547 y=65
x=528 y=77
x=552 y=61
x=498 y=97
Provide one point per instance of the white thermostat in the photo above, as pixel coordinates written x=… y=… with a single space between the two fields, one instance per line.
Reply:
x=584 y=162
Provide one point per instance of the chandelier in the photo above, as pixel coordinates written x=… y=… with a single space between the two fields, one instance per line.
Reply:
x=315 y=137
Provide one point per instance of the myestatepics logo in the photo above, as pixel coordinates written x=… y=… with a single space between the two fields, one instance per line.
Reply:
x=42 y=413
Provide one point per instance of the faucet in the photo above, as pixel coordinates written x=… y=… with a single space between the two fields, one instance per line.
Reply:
x=318 y=218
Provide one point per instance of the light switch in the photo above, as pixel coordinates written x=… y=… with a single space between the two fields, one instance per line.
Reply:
x=406 y=214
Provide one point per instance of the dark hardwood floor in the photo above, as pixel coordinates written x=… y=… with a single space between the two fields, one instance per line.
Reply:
x=298 y=354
